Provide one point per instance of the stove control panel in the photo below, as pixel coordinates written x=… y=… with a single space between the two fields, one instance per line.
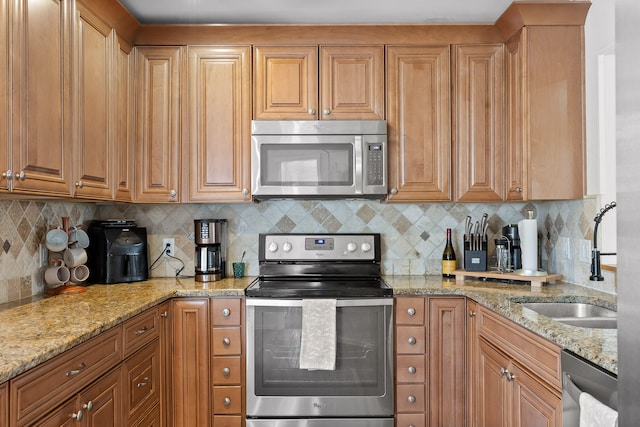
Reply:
x=295 y=247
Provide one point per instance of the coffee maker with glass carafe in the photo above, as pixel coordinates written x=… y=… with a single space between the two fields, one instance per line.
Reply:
x=210 y=258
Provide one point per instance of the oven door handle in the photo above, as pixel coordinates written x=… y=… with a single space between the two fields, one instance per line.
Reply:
x=276 y=302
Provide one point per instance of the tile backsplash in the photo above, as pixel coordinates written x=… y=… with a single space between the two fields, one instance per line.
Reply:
x=413 y=234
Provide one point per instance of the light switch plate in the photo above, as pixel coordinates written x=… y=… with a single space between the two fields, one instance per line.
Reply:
x=585 y=251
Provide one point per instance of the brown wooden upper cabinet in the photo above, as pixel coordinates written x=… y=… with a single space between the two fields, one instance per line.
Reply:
x=478 y=76
x=311 y=82
x=158 y=74
x=219 y=126
x=545 y=113
x=419 y=123
x=37 y=159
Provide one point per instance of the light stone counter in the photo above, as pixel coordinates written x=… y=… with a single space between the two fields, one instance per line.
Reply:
x=599 y=346
x=36 y=331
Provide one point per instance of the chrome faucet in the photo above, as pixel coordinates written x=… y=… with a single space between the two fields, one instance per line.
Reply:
x=596 y=272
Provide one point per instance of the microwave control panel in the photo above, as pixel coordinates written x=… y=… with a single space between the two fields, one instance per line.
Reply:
x=375 y=163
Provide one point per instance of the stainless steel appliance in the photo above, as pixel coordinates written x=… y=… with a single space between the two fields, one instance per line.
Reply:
x=210 y=258
x=295 y=269
x=578 y=376
x=321 y=158
x=117 y=252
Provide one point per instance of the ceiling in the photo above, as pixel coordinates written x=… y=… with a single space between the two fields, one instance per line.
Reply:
x=315 y=11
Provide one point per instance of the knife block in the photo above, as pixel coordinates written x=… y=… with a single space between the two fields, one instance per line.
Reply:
x=475 y=259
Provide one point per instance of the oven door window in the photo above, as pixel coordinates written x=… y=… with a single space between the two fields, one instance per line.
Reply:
x=316 y=164
x=360 y=356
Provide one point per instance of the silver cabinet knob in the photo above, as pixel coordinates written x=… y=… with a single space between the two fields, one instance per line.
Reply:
x=518 y=189
x=411 y=399
x=22 y=176
x=510 y=376
x=8 y=175
x=311 y=111
x=245 y=191
x=77 y=416
x=393 y=191
x=226 y=372
x=503 y=371
x=226 y=312
x=472 y=313
x=226 y=401
x=326 y=111
x=226 y=341
x=412 y=370
x=80 y=184
x=411 y=340
x=88 y=406
x=411 y=312
x=164 y=314
x=173 y=193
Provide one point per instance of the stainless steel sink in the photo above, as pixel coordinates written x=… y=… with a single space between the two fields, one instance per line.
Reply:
x=576 y=314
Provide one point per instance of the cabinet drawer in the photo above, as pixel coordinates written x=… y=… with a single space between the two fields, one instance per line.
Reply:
x=226 y=341
x=410 y=310
x=226 y=311
x=410 y=398
x=410 y=369
x=227 y=400
x=410 y=339
x=142 y=381
x=50 y=383
x=226 y=370
x=408 y=420
x=140 y=330
x=151 y=419
x=538 y=355
x=227 y=421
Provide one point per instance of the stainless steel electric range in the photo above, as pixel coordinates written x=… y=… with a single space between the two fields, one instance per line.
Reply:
x=319 y=333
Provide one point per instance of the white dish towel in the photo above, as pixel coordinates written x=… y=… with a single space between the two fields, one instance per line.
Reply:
x=318 y=341
x=594 y=413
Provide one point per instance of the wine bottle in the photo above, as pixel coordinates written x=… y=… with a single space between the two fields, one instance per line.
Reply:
x=448 y=258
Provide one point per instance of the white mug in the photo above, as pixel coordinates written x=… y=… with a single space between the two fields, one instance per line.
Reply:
x=56 y=240
x=57 y=275
x=79 y=273
x=79 y=237
x=74 y=257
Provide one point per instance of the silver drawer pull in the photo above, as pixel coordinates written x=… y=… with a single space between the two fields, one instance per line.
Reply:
x=77 y=416
x=88 y=406
x=226 y=312
x=226 y=401
x=164 y=314
x=144 y=383
x=411 y=340
x=226 y=341
x=411 y=399
x=412 y=370
x=141 y=331
x=76 y=371
x=411 y=312
x=226 y=372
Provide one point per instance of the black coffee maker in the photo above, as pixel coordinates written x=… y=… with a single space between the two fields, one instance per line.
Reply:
x=510 y=231
x=210 y=258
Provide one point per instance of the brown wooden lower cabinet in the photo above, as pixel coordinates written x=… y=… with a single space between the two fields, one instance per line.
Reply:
x=142 y=382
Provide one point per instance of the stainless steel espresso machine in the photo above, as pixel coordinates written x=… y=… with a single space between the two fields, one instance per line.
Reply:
x=211 y=244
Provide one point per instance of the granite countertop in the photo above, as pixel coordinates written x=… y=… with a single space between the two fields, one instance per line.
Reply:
x=38 y=330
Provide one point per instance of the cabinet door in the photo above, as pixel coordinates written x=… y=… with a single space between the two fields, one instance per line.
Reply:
x=219 y=141
x=101 y=402
x=142 y=382
x=190 y=362
x=477 y=122
x=93 y=151
x=419 y=123
x=472 y=363
x=123 y=119
x=515 y=170
x=286 y=83
x=166 y=375
x=446 y=362
x=40 y=102
x=492 y=394
x=158 y=123
x=534 y=404
x=352 y=82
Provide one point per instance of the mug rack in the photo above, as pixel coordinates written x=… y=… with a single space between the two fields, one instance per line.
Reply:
x=68 y=287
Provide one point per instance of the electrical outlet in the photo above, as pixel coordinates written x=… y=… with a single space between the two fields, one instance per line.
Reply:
x=564 y=247
x=585 y=251
x=170 y=245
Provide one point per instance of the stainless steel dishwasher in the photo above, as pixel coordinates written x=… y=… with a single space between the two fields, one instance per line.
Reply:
x=579 y=375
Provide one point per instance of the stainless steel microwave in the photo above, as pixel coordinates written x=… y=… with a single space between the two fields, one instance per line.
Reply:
x=319 y=159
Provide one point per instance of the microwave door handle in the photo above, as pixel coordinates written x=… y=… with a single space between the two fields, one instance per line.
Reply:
x=358 y=164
